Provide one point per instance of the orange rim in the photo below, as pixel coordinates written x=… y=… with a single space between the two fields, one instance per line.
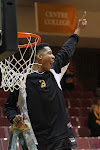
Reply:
x=26 y=35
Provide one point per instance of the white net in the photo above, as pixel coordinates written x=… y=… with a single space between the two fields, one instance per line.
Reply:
x=14 y=71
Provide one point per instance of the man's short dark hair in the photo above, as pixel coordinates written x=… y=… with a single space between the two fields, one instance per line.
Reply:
x=40 y=47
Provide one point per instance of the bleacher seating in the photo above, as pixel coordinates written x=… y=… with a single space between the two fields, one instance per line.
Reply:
x=4 y=132
x=78 y=104
x=3 y=94
x=76 y=94
x=88 y=143
x=78 y=110
x=4 y=121
x=75 y=131
x=74 y=121
x=74 y=112
x=83 y=143
x=83 y=132
x=3 y=144
x=75 y=102
x=2 y=102
x=95 y=142
x=67 y=102
x=66 y=94
x=83 y=121
x=86 y=102
x=88 y=94
x=84 y=111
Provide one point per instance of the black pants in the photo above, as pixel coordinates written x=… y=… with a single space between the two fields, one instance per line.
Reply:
x=56 y=145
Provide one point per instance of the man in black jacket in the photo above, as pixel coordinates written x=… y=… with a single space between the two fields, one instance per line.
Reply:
x=42 y=101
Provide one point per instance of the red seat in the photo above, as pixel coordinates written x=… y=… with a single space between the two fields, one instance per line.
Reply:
x=95 y=143
x=66 y=94
x=4 y=144
x=83 y=121
x=88 y=94
x=74 y=121
x=83 y=143
x=94 y=101
x=83 y=132
x=3 y=94
x=4 y=121
x=0 y=112
x=67 y=102
x=2 y=102
x=76 y=94
x=3 y=112
x=86 y=102
x=8 y=129
x=0 y=145
x=85 y=112
x=78 y=87
x=75 y=102
x=3 y=132
x=2 y=98
x=74 y=111
x=75 y=131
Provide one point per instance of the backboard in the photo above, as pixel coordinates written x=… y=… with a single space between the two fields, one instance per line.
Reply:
x=8 y=28
x=0 y=25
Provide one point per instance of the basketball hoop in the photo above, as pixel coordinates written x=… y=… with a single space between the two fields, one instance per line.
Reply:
x=14 y=71
x=28 y=36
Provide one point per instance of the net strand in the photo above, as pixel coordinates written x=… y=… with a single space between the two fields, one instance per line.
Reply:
x=14 y=77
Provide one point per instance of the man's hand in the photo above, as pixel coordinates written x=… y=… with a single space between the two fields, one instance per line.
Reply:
x=81 y=24
x=17 y=119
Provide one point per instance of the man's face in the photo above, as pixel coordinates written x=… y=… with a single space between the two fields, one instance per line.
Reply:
x=47 y=58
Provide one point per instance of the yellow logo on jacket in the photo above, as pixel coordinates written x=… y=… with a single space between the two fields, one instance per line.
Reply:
x=43 y=84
